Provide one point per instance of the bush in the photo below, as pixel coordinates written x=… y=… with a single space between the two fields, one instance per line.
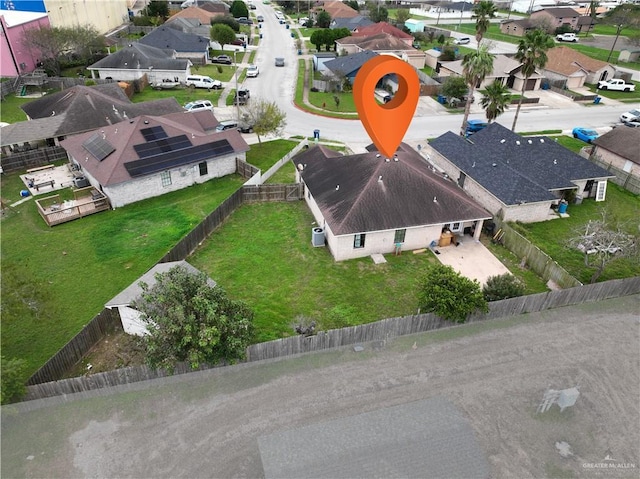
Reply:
x=502 y=287
x=13 y=380
x=89 y=83
x=226 y=20
x=451 y=296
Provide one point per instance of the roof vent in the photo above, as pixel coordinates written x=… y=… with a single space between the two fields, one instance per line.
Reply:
x=494 y=164
x=555 y=162
x=395 y=158
x=517 y=142
x=377 y=155
x=146 y=122
x=474 y=165
x=503 y=140
x=541 y=140
x=337 y=187
x=386 y=160
x=300 y=167
x=435 y=199
x=530 y=141
x=380 y=179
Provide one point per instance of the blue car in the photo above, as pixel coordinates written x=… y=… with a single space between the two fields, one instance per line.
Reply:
x=585 y=134
x=473 y=126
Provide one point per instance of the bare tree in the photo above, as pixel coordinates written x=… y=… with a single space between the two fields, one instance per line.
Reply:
x=601 y=243
x=264 y=117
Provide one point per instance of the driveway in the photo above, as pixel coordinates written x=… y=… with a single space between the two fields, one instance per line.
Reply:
x=471 y=259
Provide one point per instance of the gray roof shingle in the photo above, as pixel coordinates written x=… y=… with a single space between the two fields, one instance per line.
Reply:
x=172 y=38
x=623 y=141
x=515 y=169
x=348 y=64
x=360 y=193
x=138 y=56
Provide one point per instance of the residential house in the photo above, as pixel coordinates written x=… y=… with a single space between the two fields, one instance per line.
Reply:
x=368 y=204
x=382 y=43
x=384 y=27
x=335 y=9
x=214 y=7
x=15 y=57
x=138 y=59
x=552 y=18
x=196 y=13
x=320 y=59
x=517 y=26
x=506 y=70
x=348 y=66
x=152 y=155
x=130 y=317
x=77 y=110
x=186 y=45
x=352 y=23
x=619 y=149
x=574 y=69
x=517 y=178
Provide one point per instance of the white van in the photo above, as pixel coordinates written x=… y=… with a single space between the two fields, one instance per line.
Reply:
x=199 y=81
x=382 y=95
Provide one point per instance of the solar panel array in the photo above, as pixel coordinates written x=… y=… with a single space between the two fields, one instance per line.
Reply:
x=98 y=147
x=153 y=133
x=163 y=145
x=172 y=159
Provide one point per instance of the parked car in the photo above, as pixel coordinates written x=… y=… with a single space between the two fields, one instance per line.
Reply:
x=279 y=61
x=474 y=126
x=585 y=134
x=630 y=116
x=245 y=128
x=198 y=105
x=225 y=59
x=244 y=21
x=260 y=18
x=251 y=6
x=566 y=37
x=635 y=123
x=199 y=81
x=616 y=84
x=227 y=125
x=252 y=71
x=462 y=41
x=303 y=20
x=242 y=96
x=239 y=42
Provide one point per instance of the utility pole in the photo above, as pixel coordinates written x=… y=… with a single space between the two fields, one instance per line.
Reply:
x=237 y=98
x=618 y=29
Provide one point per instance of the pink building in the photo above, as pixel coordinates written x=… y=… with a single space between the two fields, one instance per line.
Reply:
x=15 y=58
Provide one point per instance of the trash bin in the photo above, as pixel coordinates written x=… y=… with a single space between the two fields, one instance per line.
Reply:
x=293 y=35
x=261 y=35
x=24 y=193
x=596 y=100
x=442 y=99
x=562 y=207
x=316 y=134
x=578 y=200
x=287 y=25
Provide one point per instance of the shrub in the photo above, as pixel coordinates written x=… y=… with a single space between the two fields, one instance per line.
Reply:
x=13 y=380
x=502 y=287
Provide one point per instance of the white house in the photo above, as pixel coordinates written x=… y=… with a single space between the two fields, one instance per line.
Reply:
x=368 y=204
x=149 y=156
x=131 y=322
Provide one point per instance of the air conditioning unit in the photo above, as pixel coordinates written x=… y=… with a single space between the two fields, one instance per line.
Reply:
x=81 y=182
x=317 y=237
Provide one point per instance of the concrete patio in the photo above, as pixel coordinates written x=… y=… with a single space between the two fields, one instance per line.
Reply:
x=471 y=259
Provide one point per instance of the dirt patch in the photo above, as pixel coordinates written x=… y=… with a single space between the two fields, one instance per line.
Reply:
x=116 y=350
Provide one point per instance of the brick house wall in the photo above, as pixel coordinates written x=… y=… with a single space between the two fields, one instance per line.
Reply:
x=617 y=161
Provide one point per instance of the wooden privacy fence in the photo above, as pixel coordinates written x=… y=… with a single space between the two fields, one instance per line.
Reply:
x=536 y=259
x=382 y=330
x=72 y=352
x=275 y=192
x=33 y=158
x=623 y=178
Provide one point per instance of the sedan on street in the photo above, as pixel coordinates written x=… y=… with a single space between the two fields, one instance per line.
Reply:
x=252 y=71
x=225 y=59
x=584 y=134
x=279 y=61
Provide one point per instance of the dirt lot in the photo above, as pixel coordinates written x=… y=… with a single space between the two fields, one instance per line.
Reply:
x=206 y=424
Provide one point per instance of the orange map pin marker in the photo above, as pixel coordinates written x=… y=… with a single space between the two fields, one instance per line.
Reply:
x=386 y=124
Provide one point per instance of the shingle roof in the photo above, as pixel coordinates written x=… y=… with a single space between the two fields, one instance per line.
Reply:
x=523 y=23
x=337 y=9
x=138 y=56
x=514 y=169
x=85 y=108
x=351 y=23
x=559 y=12
x=350 y=63
x=32 y=130
x=171 y=38
x=502 y=66
x=203 y=16
x=379 y=42
x=199 y=128
x=353 y=199
x=382 y=27
x=567 y=61
x=622 y=141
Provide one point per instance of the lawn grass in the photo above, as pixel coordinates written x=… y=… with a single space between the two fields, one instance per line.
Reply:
x=326 y=101
x=285 y=174
x=552 y=236
x=182 y=95
x=627 y=96
x=608 y=29
x=10 y=111
x=54 y=280
x=571 y=143
x=277 y=271
x=267 y=154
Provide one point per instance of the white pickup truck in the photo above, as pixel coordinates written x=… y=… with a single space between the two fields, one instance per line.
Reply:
x=566 y=37
x=616 y=84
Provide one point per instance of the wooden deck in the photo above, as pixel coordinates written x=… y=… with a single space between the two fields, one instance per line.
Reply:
x=87 y=201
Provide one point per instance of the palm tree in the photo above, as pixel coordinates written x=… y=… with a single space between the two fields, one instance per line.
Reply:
x=532 y=54
x=483 y=12
x=475 y=67
x=495 y=99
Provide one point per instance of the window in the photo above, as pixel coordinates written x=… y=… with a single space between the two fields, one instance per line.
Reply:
x=601 y=191
x=399 y=236
x=461 y=180
x=358 y=240
x=455 y=227
x=203 y=168
x=165 y=176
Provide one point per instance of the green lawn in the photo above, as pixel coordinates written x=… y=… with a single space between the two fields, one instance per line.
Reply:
x=326 y=101
x=285 y=174
x=10 y=111
x=571 y=143
x=182 y=95
x=267 y=154
x=626 y=96
x=552 y=236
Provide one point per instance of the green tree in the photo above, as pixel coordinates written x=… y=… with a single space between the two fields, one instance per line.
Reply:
x=353 y=4
x=402 y=15
x=483 y=12
x=475 y=67
x=503 y=286
x=226 y=20
x=495 y=100
x=13 y=380
x=223 y=34
x=323 y=19
x=377 y=13
x=454 y=87
x=157 y=9
x=239 y=9
x=265 y=117
x=189 y=320
x=319 y=38
x=532 y=54
x=451 y=296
